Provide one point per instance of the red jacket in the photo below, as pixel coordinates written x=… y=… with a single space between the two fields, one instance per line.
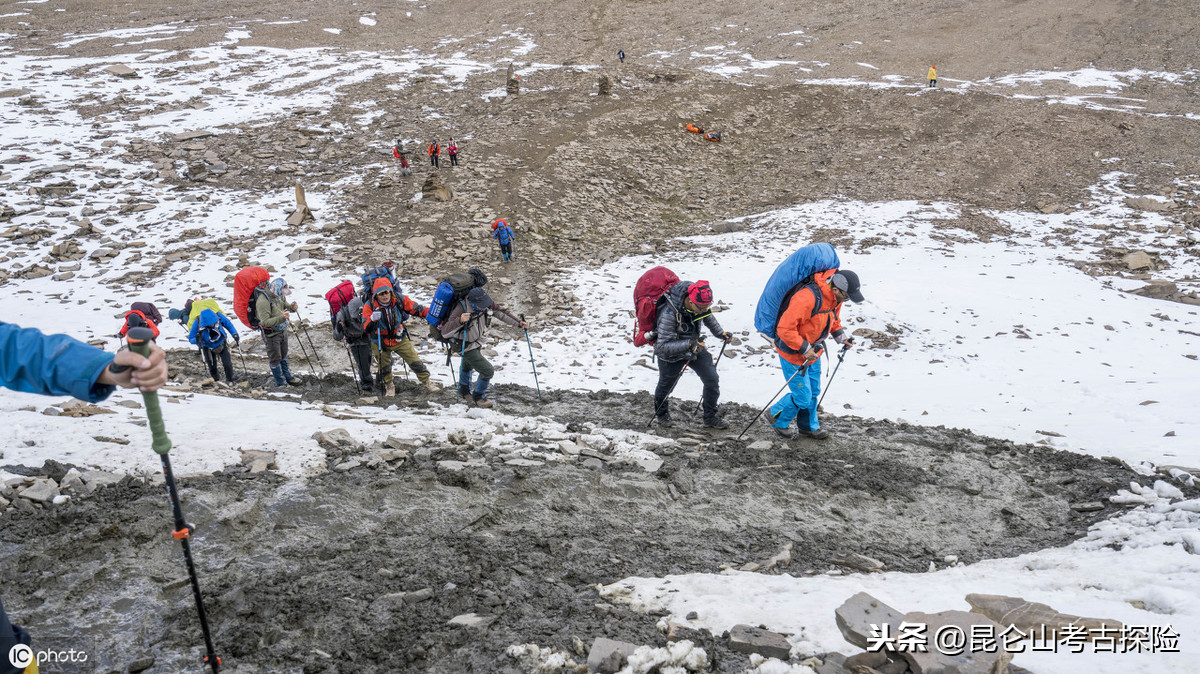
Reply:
x=149 y=323
x=390 y=326
x=800 y=328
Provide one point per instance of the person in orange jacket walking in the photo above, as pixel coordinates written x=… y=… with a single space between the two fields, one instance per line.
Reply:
x=812 y=313
x=383 y=320
x=435 y=149
x=932 y=76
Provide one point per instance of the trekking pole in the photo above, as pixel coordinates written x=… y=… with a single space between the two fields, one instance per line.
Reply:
x=353 y=369
x=139 y=342
x=841 y=357
x=531 y=363
x=303 y=350
x=715 y=364
x=245 y=372
x=669 y=391
x=310 y=342
x=772 y=400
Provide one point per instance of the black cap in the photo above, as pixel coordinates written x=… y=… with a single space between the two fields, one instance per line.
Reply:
x=479 y=299
x=847 y=282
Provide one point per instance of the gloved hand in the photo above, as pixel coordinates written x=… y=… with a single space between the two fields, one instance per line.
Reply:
x=237 y=340
x=376 y=315
x=696 y=348
x=726 y=336
x=848 y=342
x=811 y=354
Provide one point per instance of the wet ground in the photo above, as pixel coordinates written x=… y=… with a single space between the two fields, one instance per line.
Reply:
x=306 y=575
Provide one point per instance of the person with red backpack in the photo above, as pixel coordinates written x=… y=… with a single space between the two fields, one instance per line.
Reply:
x=810 y=314
x=680 y=345
x=503 y=235
x=452 y=150
x=348 y=326
x=401 y=155
x=135 y=318
x=435 y=150
x=273 y=311
x=383 y=318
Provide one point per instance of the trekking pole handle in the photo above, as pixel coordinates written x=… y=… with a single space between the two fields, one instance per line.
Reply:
x=139 y=342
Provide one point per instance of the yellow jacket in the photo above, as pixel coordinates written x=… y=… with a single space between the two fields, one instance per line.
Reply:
x=201 y=305
x=932 y=73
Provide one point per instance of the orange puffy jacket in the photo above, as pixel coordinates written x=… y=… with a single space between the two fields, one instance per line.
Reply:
x=434 y=149
x=693 y=128
x=149 y=323
x=803 y=323
x=391 y=322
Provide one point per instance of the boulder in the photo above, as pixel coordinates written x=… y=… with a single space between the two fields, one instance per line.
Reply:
x=750 y=639
x=338 y=438
x=608 y=656
x=1138 y=259
x=43 y=490
x=604 y=85
x=858 y=613
x=1029 y=616
x=435 y=188
x=934 y=661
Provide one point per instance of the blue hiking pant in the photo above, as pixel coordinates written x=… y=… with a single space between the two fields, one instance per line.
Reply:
x=801 y=401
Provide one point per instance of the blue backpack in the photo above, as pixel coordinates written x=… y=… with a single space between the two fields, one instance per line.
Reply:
x=369 y=276
x=792 y=274
x=450 y=291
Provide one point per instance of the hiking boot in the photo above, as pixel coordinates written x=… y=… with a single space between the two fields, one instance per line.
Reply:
x=715 y=422
x=295 y=381
x=431 y=386
x=390 y=390
x=666 y=421
x=787 y=432
x=480 y=401
x=819 y=434
x=367 y=386
x=465 y=394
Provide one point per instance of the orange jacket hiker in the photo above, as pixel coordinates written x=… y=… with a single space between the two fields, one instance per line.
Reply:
x=435 y=149
x=799 y=328
x=391 y=320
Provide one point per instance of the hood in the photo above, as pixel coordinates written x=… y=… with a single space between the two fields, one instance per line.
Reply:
x=381 y=283
x=207 y=319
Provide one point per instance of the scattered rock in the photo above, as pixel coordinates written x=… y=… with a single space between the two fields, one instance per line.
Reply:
x=609 y=656
x=43 y=490
x=857 y=561
x=435 y=188
x=472 y=620
x=121 y=70
x=935 y=662
x=749 y=639
x=1138 y=260
x=1029 y=616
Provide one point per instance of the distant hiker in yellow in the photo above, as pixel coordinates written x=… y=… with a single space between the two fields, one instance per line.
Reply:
x=932 y=76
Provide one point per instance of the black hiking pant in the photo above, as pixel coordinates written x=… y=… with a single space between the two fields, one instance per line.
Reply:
x=10 y=635
x=361 y=350
x=210 y=359
x=433 y=160
x=506 y=250
x=454 y=160
x=670 y=372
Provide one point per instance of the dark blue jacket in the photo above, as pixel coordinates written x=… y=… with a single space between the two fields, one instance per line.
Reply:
x=210 y=319
x=51 y=364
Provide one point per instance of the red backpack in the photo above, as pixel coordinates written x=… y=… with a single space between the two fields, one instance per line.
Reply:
x=244 y=284
x=338 y=297
x=646 y=294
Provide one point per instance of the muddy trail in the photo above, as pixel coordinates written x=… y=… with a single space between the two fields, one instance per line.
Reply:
x=361 y=569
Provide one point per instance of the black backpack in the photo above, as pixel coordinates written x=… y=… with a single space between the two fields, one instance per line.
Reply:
x=252 y=309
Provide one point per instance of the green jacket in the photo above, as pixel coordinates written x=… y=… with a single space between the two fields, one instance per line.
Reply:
x=270 y=308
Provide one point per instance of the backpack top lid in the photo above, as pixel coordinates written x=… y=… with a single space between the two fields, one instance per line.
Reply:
x=244 y=283
x=650 y=288
x=339 y=296
x=797 y=268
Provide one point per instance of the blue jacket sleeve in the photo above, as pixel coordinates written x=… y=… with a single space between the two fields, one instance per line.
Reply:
x=194 y=331
x=228 y=324
x=51 y=364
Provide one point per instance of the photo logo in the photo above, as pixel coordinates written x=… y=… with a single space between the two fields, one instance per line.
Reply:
x=20 y=656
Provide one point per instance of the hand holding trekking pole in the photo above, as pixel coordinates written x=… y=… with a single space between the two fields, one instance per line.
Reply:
x=140 y=340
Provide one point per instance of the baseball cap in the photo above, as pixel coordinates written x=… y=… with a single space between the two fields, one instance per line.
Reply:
x=847 y=282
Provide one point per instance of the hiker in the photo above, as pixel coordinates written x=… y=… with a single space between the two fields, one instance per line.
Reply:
x=621 y=55
x=399 y=153
x=465 y=327
x=210 y=331
x=148 y=310
x=191 y=311
x=434 y=150
x=348 y=326
x=57 y=365
x=452 y=150
x=502 y=233
x=136 y=319
x=385 y=270
x=801 y=331
x=680 y=344
x=932 y=76
x=273 y=311
x=383 y=319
